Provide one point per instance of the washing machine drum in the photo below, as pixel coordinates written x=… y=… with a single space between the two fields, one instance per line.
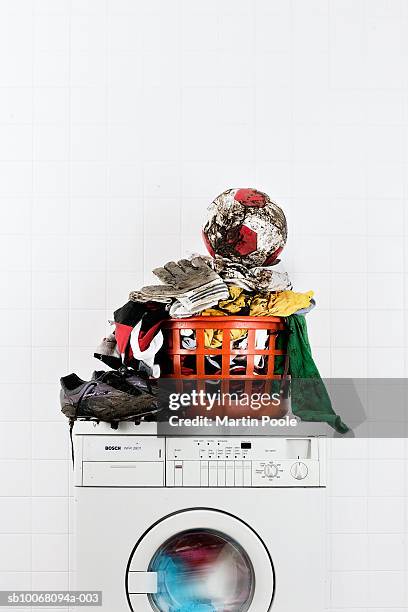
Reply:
x=209 y=567
x=202 y=571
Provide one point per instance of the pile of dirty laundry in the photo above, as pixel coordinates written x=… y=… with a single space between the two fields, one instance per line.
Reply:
x=245 y=232
x=193 y=288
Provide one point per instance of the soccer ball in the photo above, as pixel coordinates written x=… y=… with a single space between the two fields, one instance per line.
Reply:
x=245 y=226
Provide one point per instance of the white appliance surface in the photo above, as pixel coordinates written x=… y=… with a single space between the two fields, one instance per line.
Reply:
x=140 y=498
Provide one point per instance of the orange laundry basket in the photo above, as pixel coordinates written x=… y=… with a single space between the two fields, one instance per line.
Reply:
x=251 y=380
x=173 y=328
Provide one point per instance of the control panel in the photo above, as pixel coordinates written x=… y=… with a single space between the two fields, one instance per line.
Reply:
x=150 y=461
x=238 y=462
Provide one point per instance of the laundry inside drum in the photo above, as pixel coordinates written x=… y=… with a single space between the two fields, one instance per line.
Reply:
x=202 y=570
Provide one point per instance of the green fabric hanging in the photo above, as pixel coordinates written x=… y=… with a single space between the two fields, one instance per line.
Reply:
x=309 y=397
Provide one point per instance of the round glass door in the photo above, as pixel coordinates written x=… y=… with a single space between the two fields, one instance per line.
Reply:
x=202 y=570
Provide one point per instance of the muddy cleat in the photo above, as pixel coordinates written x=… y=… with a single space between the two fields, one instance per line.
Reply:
x=97 y=399
x=125 y=379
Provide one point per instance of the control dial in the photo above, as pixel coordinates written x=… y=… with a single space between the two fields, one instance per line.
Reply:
x=271 y=471
x=299 y=470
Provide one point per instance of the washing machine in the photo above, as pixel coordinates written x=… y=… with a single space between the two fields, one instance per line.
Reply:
x=199 y=523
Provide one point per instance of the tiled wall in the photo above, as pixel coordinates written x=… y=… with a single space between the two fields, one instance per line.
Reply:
x=120 y=120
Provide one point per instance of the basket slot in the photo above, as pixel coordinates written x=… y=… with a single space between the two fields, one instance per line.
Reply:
x=251 y=351
x=175 y=341
x=211 y=365
x=272 y=353
x=177 y=365
x=200 y=340
x=226 y=345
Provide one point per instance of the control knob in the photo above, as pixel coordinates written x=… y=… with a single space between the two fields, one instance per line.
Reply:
x=271 y=471
x=299 y=470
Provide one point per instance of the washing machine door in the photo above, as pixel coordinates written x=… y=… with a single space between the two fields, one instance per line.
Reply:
x=200 y=560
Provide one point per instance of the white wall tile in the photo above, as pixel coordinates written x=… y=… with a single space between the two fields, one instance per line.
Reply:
x=87 y=105
x=385 y=477
x=387 y=447
x=349 y=590
x=50 y=553
x=50 y=253
x=49 y=515
x=50 y=105
x=15 y=553
x=169 y=213
x=45 y=402
x=87 y=253
x=125 y=216
x=48 y=364
x=18 y=218
x=50 y=143
x=388 y=299
x=15 y=478
x=348 y=515
x=16 y=515
x=49 y=289
x=380 y=251
x=386 y=552
x=86 y=326
x=46 y=581
x=386 y=362
x=17 y=328
x=15 y=253
x=389 y=335
x=16 y=179
x=50 y=215
x=125 y=180
x=87 y=290
x=15 y=406
x=88 y=179
x=16 y=106
x=341 y=483
x=349 y=328
x=50 y=478
x=15 y=440
x=49 y=327
x=88 y=143
x=349 y=363
x=387 y=589
x=15 y=142
x=349 y=448
x=349 y=552
x=15 y=289
x=50 y=440
x=386 y=514
x=15 y=580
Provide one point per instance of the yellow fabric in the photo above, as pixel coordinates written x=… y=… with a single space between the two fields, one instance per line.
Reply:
x=213 y=337
x=212 y=312
x=279 y=304
x=236 y=302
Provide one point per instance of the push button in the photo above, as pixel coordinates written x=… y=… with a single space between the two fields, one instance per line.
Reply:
x=229 y=474
x=213 y=479
x=221 y=473
x=239 y=474
x=178 y=473
x=204 y=473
